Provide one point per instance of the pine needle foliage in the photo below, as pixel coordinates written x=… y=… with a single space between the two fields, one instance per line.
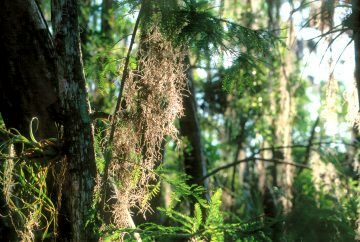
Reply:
x=196 y=24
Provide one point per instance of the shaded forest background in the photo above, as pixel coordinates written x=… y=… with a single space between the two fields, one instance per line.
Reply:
x=179 y=120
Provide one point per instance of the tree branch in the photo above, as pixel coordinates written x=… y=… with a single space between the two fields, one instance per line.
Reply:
x=311 y=140
x=302 y=146
x=250 y=159
x=303 y=166
x=108 y=149
x=100 y=115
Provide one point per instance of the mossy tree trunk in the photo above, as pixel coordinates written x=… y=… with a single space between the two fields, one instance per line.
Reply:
x=78 y=130
x=39 y=81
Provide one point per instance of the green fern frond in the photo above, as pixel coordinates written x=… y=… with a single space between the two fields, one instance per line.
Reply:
x=153 y=192
x=214 y=218
x=198 y=219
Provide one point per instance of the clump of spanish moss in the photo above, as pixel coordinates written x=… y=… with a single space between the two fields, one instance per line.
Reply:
x=353 y=114
x=153 y=100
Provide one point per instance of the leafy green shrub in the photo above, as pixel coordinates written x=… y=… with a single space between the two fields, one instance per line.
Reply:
x=321 y=216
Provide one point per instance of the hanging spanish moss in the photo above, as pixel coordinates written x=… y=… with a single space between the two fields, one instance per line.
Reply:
x=353 y=115
x=153 y=102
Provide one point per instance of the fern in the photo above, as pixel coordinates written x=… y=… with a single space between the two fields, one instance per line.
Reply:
x=214 y=219
x=198 y=218
x=189 y=226
x=153 y=191
x=181 y=188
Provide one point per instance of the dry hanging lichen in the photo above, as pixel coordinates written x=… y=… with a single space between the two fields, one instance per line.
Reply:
x=353 y=114
x=152 y=94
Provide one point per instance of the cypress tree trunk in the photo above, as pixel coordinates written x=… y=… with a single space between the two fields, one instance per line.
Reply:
x=284 y=120
x=356 y=33
x=27 y=80
x=27 y=66
x=78 y=130
x=194 y=159
x=356 y=36
x=105 y=18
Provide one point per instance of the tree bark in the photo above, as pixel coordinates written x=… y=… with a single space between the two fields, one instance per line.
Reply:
x=27 y=67
x=78 y=130
x=356 y=36
x=310 y=142
x=194 y=159
x=105 y=18
x=27 y=81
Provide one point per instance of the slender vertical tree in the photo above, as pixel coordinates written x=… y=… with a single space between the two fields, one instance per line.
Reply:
x=356 y=35
x=194 y=159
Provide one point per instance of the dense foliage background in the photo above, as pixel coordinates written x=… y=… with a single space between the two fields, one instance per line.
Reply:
x=219 y=120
